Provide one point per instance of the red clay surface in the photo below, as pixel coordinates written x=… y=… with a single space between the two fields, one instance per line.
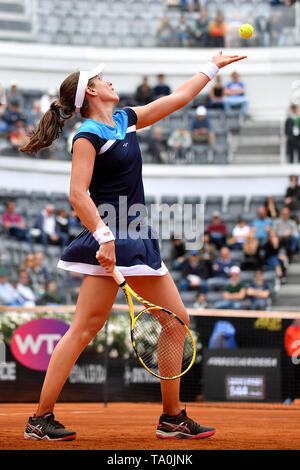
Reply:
x=129 y=426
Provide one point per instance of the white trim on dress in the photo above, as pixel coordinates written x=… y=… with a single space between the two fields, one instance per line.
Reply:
x=94 y=270
x=109 y=143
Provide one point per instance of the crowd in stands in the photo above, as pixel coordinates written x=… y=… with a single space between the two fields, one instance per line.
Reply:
x=236 y=262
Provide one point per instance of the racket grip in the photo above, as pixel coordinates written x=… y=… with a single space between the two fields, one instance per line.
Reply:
x=118 y=277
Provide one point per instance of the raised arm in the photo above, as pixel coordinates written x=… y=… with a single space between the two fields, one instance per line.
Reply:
x=162 y=107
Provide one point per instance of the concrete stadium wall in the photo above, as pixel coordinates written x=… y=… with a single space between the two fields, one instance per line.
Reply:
x=272 y=75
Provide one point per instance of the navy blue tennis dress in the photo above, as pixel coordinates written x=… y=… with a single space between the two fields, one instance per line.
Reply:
x=117 y=190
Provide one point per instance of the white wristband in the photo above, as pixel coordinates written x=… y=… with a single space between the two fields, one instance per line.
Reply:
x=210 y=70
x=103 y=234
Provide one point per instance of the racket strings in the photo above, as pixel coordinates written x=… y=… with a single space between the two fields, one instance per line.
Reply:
x=162 y=343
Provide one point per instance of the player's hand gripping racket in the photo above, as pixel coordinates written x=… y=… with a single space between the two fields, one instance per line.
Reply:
x=161 y=340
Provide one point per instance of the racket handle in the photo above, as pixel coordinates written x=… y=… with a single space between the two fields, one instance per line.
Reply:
x=118 y=277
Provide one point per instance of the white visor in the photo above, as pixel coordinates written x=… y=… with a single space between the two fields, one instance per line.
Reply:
x=84 y=77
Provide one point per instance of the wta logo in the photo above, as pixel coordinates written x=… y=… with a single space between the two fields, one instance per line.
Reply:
x=33 y=343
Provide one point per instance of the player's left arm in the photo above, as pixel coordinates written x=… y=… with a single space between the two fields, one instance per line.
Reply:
x=162 y=107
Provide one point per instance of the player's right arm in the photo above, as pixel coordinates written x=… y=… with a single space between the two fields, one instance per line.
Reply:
x=84 y=155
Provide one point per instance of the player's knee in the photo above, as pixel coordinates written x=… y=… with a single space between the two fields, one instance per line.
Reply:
x=85 y=333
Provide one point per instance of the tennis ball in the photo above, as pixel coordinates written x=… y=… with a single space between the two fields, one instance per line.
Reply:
x=246 y=30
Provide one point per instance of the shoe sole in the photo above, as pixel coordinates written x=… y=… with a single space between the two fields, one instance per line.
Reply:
x=181 y=435
x=35 y=437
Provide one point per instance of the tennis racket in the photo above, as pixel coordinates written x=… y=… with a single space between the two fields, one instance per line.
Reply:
x=161 y=340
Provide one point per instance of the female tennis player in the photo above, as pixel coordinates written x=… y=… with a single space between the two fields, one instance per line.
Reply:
x=107 y=162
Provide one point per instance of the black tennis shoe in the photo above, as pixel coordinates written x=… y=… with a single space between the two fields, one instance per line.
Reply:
x=181 y=427
x=45 y=427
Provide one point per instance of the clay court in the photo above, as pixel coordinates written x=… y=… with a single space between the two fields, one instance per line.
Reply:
x=239 y=426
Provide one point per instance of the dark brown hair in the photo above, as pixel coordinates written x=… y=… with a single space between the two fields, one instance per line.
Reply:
x=52 y=122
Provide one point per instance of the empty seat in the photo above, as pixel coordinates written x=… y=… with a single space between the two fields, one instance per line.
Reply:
x=212 y=204
x=236 y=205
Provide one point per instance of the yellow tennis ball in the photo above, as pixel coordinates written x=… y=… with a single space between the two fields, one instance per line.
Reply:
x=246 y=30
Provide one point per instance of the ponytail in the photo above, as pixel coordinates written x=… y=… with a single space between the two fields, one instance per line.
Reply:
x=49 y=128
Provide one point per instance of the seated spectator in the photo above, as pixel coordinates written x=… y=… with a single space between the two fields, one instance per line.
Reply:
x=184 y=33
x=288 y=232
x=14 y=223
x=222 y=266
x=8 y=293
x=271 y=208
x=177 y=252
x=40 y=269
x=165 y=33
x=24 y=289
x=161 y=89
x=201 y=29
x=292 y=195
x=47 y=99
x=49 y=229
x=201 y=127
x=200 y=303
x=251 y=249
x=240 y=233
x=144 y=93
x=194 y=274
x=12 y=115
x=158 y=145
x=180 y=141
x=234 y=292
x=18 y=137
x=273 y=254
x=62 y=222
x=217 y=93
x=38 y=274
x=259 y=292
x=208 y=252
x=235 y=95
x=34 y=116
x=292 y=132
x=262 y=224
x=52 y=296
x=217 y=230
x=223 y=336
x=15 y=97
x=217 y=31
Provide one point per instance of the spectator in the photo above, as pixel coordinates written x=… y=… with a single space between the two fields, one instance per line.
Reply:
x=144 y=93
x=292 y=132
x=180 y=141
x=38 y=274
x=14 y=223
x=52 y=296
x=49 y=229
x=34 y=116
x=217 y=93
x=40 y=270
x=184 y=33
x=8 y=293
x=201 y=127
x=201 y=29
x=274 y=256
x=177 y=252
x=291 y=364
x=262 y=224
x=223 y=265
x=271 y=208
x=235 y=95
x=14 y=96
x=287 y=230
x=217 y=31
x=200 y=302
x=234 y=293
x=217 y=230
x=47 y=99
x=24 y=289
x=158 y=145
x=207 y=252
x=194 y=274
x=3 y=100
x=75 y=226
x=161 y=89
x=12 y=115
x=18 y=137
x=240 y=233
x=251 y=249
x=259 y=292
x=165 y=33
x=292 y=195
x=62 y=221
